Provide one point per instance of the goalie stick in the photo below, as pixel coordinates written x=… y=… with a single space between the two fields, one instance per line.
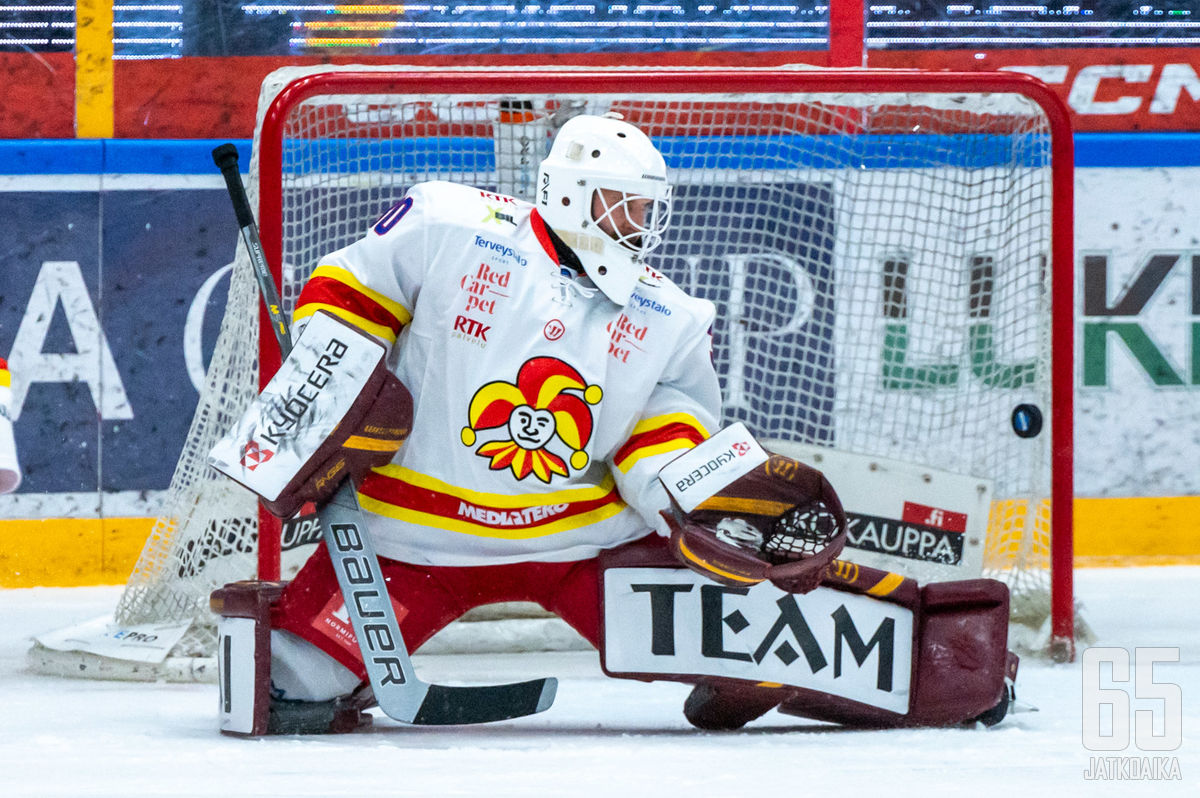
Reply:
x=398 y=690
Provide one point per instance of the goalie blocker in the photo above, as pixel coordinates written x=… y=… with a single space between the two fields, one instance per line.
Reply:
x=332 y=410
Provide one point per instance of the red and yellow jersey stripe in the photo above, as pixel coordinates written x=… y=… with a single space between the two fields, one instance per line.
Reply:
x=5 y=374
x=398 y=492
x=659 y=434
x=339 y=292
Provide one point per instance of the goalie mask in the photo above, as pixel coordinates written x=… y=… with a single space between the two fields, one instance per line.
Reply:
x=603 y=189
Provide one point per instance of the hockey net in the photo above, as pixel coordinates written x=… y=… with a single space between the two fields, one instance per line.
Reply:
x=889 y=254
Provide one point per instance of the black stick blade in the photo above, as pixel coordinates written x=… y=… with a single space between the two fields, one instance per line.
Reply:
x=449 y=706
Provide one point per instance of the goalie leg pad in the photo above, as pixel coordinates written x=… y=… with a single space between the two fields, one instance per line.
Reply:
x=244 y=641
x=964 y=658
x=962 y=669
x=867 y=649
x=244 y=655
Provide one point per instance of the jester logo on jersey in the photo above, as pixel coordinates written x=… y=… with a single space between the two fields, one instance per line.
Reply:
x=549 y=401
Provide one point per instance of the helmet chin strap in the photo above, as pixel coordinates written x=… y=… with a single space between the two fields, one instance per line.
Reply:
x=595 y=252
x=582 y=242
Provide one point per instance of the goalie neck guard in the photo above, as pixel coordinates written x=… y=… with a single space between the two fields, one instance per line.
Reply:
x=603 y=189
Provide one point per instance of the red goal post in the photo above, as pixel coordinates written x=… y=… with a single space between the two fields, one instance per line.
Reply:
x=717 y=100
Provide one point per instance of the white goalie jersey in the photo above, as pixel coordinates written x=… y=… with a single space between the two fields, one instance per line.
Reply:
x=543 y=411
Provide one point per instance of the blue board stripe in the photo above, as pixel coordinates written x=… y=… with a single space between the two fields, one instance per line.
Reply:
x=113 y=156
x=167 y=156
x=193 y=156
x=1128 y=150
x=755 y=153
x=51 y=157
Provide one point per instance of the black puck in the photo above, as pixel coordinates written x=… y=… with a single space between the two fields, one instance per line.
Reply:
x=1026 y=421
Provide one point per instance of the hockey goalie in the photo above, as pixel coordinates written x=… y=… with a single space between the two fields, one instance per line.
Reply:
x=529 y=412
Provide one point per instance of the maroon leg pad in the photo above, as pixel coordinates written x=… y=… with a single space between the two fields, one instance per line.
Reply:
x=251 y=599
x=246 y=599
x=961 y=661
x=960 y=657
x=963 y=651
x=254 y=600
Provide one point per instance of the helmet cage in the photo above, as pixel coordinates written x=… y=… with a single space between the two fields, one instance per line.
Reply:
x=640 y=232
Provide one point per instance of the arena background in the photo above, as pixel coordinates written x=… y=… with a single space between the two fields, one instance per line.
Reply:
x=118 y=228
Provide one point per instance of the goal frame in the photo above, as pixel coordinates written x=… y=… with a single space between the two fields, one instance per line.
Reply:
x=697 y=81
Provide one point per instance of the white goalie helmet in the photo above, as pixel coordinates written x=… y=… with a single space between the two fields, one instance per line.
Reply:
x=603 y=189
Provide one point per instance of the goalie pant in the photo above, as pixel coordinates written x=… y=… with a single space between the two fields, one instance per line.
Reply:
x=959 y=665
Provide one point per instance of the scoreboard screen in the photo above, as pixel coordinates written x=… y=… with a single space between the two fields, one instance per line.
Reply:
x=309 y=27
x=920 y=24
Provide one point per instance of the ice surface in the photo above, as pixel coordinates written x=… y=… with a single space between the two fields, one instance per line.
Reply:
x=603 y=737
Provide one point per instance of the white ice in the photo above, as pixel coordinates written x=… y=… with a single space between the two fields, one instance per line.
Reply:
x=603 y=737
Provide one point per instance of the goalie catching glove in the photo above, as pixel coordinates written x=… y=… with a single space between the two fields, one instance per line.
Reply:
x=741 y=515
x=332 y=410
